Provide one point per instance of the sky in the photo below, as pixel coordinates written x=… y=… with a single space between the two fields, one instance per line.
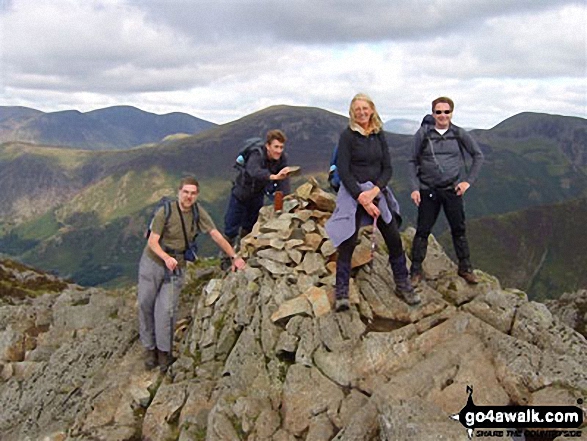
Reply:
x=221 y=60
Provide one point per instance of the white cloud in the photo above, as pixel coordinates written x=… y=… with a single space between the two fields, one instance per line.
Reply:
x=221 y=60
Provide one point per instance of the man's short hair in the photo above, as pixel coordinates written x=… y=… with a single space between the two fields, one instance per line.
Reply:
x=443 y=99
x=276 y=135
x=189 y=180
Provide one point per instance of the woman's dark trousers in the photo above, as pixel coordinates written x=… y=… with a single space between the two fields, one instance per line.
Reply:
x=393 y=241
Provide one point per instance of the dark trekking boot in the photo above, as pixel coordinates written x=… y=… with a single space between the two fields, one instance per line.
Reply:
x=419 y=251
x=403 y=285
x=405 y=289
x=469 y=277
x=150 y=359
x=165 y=360
x=342 y=304
x=341 y=292
x=416 y=279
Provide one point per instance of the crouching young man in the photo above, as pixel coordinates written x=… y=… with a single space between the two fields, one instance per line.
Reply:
x=162 y=270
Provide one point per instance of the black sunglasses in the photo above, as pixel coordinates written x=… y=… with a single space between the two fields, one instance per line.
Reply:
x=446 y=112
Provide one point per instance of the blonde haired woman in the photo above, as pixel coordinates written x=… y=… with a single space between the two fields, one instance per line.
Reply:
x=364 y=167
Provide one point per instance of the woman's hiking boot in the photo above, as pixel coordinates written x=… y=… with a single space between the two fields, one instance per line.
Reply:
x=342 y=304
x=341 y=291
x=404 y=289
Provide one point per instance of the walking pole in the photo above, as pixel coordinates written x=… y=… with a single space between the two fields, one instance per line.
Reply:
x=373 y=240
x=171 y=305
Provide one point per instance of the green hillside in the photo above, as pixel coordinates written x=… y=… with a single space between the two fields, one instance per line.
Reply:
x=82 y=213
x=540 y=250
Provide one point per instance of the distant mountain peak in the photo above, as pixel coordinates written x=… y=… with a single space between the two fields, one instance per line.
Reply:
x=115 y=127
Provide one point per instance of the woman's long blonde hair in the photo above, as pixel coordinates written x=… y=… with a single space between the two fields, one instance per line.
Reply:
x=375 y=123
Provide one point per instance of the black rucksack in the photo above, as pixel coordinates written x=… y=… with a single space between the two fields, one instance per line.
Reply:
x=165 y=203
x=245 y=186
x=249 y=146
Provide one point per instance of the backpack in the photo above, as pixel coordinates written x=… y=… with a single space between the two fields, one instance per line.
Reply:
x=244 y=185
x=333 y=176
x=428 y=122
x=249 y=146
x=166 y=202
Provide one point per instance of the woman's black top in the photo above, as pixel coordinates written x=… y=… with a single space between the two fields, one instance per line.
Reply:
x=361 y=159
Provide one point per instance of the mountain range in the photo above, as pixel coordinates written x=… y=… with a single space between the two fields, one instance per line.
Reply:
x=82 y=213
x=118 y=127
x=402 y=126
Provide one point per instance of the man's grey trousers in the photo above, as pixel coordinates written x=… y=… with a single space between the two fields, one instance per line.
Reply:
x=158 y=300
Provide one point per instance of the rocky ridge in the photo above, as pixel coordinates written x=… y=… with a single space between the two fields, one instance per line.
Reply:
x=263 y=357
x=571 y=308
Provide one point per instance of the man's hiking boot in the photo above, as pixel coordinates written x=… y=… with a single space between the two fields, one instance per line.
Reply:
x=416 y=279
x=150 y=359
x=470 y=277
x=342 y=304
x=165 y=360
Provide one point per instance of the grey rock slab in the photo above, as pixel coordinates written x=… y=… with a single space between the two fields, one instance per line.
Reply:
x=298 y=305
x=275 y=255
x=306 y=392
x=287 y=344
x=363 y=425
x=313 y=264
x=497 y=308
x=416 y=419
x=276 y=224
x=321 y=429
x=273 y=267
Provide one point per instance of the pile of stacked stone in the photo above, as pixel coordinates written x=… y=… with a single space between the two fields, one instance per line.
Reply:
x=293 y=243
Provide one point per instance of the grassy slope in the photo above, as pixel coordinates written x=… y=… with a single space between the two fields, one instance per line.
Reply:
x=112 y=206
x=540 y=250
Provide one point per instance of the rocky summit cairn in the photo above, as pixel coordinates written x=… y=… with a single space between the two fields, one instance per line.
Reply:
x=263 y=356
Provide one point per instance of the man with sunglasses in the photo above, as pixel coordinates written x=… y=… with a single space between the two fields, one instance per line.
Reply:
x=437 y=181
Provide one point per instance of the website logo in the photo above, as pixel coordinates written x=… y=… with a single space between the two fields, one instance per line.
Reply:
x=518 y=419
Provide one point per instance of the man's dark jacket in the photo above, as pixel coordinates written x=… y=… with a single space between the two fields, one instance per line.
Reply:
x=436 y=160
x=255 y=178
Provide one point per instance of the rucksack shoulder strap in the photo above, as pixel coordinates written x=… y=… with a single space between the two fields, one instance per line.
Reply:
x=196 y=213
x=425 y=138
x=195 y=218
x=167 y=209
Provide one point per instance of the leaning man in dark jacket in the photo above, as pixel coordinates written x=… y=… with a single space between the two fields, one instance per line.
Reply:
x=265 y=168
x=437 y=182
